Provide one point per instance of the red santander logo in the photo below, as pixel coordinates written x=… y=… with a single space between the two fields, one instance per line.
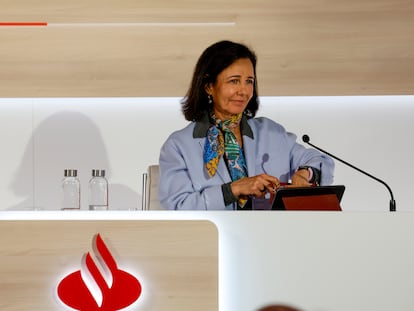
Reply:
x=99 y=285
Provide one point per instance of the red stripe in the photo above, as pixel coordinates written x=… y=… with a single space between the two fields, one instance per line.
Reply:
x=23 y=24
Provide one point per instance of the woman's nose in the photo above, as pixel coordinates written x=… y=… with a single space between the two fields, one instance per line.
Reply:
x=242 y=88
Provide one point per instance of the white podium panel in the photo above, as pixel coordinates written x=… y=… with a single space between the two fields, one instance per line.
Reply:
x=314 y=261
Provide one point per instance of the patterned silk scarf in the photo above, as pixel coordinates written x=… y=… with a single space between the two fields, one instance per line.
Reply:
x=218 y=144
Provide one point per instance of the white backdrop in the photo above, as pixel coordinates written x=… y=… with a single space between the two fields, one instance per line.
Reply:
x=42 y=136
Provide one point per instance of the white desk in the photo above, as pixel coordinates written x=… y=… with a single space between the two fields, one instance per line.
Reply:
x=317 y=261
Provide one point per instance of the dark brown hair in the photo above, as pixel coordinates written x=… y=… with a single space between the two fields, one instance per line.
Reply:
x=211 y=63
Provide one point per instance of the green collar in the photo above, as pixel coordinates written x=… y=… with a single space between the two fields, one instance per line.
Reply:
x=202 y=126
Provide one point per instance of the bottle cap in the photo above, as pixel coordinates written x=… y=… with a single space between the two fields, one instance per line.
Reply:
x=98 y=173
x=70 y=173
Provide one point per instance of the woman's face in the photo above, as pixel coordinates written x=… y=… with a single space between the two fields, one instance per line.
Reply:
x=233 y=89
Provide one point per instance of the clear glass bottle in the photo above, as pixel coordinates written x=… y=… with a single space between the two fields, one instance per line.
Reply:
x=71 y=190
x=98 y=191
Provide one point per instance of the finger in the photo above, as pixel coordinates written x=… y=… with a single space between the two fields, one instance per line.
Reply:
x=272 y=187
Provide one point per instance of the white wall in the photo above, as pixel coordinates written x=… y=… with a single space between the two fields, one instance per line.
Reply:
x=41 y=137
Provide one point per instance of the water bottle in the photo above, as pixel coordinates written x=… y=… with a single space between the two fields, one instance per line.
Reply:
x=98 y=191
x=71 y=190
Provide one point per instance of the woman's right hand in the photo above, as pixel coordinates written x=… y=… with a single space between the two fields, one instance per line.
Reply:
x=256 y=186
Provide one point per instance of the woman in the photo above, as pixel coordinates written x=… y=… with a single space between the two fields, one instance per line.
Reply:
x=226 y=156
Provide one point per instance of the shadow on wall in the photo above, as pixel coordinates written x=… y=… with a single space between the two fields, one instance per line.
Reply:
x=65 y=140
x=278 y=307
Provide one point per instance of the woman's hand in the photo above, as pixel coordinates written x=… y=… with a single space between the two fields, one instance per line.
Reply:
x=256 y=186
x=301 y=179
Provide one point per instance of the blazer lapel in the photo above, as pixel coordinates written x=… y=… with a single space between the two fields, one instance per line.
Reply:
x=250 y=154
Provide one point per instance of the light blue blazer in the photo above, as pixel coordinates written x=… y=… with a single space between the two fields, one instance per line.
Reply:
x=185 y=185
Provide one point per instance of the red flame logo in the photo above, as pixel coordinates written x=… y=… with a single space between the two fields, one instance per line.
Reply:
x=99 y=285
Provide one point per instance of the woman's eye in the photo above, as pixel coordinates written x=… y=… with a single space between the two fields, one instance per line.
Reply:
x=234 y=81
x=250 y=81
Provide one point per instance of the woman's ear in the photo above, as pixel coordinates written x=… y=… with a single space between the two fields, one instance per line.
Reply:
x=207 y=88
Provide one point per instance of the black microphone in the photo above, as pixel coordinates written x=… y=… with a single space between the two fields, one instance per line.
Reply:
x=265 y=158
x=306 y=139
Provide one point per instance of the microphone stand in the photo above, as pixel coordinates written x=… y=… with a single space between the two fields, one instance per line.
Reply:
x=306 y=139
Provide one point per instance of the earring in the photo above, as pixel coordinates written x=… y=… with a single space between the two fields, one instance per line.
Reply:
x=248 y=113
x=210 y=99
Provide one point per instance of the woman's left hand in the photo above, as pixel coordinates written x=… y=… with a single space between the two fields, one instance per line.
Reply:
x=300 y=179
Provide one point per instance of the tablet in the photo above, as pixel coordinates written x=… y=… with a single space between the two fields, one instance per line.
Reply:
x=320 y=198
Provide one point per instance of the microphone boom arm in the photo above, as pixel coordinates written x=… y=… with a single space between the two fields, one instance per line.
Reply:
x=306 y=139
